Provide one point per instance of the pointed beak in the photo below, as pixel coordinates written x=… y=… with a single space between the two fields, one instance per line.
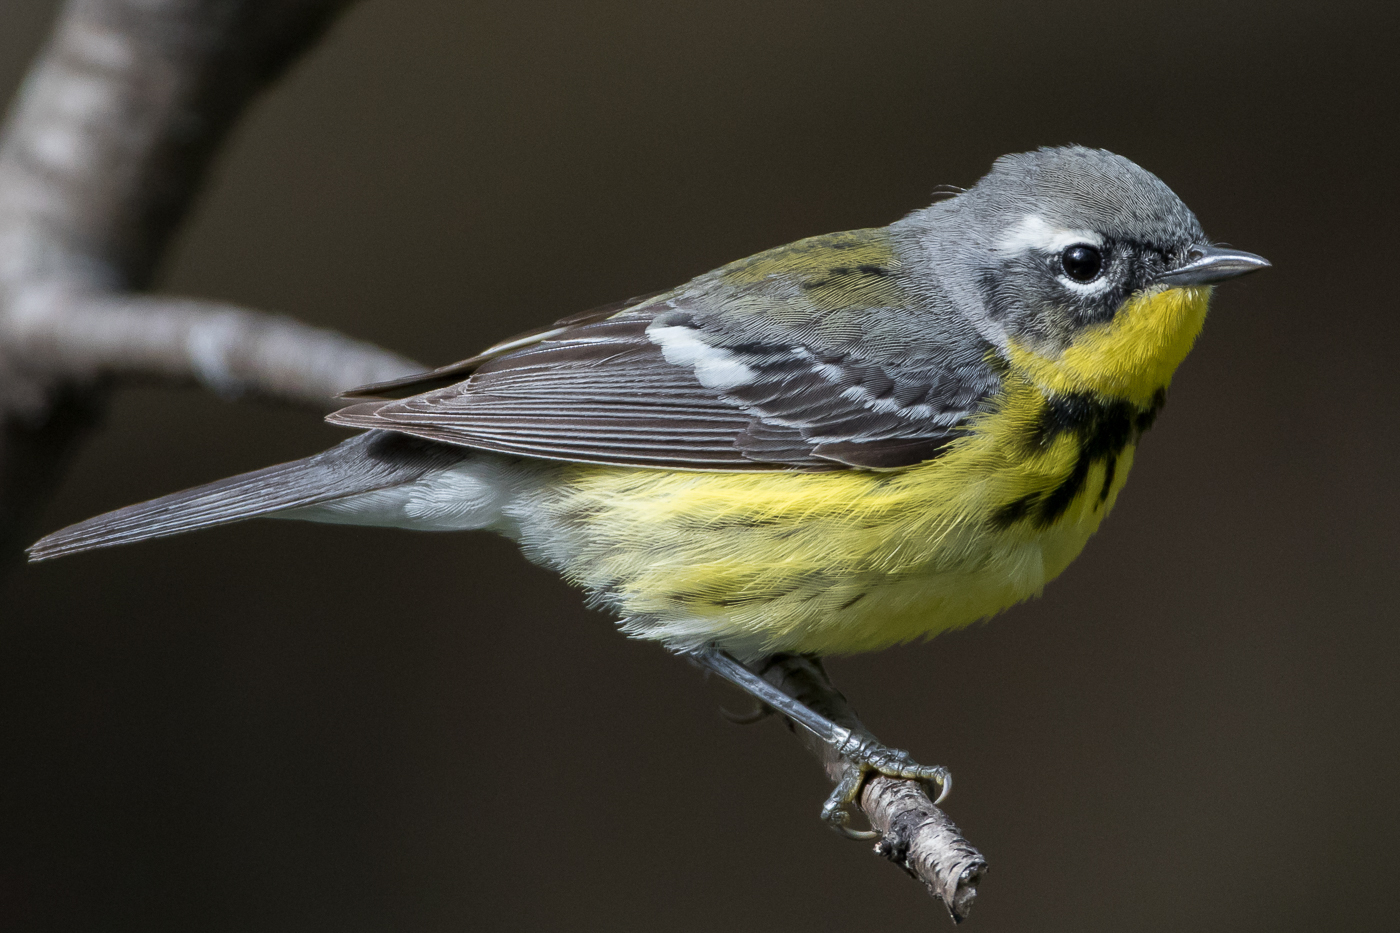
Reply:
x=1207 y=265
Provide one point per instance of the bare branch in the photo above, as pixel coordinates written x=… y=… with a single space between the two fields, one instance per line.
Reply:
x=101 y=156
x=230 y=350
x=117 y=121
x=914 y=834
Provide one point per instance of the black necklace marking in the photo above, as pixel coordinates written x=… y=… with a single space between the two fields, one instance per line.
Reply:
x=1102 y=428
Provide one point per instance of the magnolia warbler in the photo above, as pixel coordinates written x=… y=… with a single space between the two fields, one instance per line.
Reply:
x=833 y=446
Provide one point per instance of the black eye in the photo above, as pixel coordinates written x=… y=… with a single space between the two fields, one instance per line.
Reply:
x=1082 y=263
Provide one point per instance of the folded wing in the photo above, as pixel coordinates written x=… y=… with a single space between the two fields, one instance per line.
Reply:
x=654 y=386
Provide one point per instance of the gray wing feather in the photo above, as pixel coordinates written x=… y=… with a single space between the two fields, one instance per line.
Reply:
x=603 y=392
x=600 y=393
x=447 y=375
x=374 y=460
x=824 y=361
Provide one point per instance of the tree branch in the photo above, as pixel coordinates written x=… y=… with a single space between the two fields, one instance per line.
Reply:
x=114 y=129
x=229 y=350
x=914 y=834
x=101 y=156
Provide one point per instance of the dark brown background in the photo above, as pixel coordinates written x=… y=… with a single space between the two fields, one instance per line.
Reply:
x=292 y=727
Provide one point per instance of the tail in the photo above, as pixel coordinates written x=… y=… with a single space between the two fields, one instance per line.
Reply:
x=369 y=461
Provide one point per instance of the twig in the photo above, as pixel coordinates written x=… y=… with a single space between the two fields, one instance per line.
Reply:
x=914 y=834
x=229 y=350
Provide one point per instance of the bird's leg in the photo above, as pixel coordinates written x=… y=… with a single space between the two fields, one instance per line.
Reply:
x=861 y=751
x=760 y=712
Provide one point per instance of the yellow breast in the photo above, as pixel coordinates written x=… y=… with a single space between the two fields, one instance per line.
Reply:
x=856 y=560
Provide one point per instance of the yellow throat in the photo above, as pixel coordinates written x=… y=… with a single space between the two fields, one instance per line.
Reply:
x=1131 y=357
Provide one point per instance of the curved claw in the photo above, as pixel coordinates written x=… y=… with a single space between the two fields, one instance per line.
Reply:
x=836 y=812
x=944 y=782
x=760 y=712
x=860 y=835
x=866 y=755
x=937 y=780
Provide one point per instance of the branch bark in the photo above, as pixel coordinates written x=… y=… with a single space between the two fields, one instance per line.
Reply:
x=914 y=834
x=229 y=350
x=101 y=157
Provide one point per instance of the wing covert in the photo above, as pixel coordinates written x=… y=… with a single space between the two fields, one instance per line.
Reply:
x=725 y=373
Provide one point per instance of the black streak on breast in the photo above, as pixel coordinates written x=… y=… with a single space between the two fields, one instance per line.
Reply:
x=1102 y=428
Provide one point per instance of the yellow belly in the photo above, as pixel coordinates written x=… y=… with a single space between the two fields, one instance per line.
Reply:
x=824 y=562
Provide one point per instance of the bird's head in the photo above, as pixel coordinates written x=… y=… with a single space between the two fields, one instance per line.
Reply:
x=1079 y=265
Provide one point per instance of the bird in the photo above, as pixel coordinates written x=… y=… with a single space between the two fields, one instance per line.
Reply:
x=833 y=446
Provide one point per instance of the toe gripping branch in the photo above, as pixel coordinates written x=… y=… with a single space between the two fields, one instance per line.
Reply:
x=866 y=756
x=862 y=755
x=885 y=783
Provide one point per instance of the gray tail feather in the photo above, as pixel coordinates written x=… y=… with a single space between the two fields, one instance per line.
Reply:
x=369 y=461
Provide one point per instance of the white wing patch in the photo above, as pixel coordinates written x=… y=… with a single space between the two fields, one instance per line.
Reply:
x=715 y=367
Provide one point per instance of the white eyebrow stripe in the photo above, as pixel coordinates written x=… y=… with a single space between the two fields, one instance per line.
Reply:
x=1034 y=233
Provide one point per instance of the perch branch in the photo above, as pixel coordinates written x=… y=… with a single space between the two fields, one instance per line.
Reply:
x=914 y=834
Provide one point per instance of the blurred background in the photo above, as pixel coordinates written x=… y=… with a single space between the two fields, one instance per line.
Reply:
x=290 y=727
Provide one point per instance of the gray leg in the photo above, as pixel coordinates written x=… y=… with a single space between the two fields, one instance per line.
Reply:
x=864 y=752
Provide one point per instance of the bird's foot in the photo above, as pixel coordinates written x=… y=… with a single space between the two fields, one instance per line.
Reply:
x=864 y=755
x=861 y=752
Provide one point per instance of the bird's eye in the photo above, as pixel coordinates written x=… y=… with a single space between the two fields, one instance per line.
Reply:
x=1082 y=263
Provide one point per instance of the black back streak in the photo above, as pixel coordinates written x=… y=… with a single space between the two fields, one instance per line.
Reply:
x=1102 y=428
x=836 y=274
